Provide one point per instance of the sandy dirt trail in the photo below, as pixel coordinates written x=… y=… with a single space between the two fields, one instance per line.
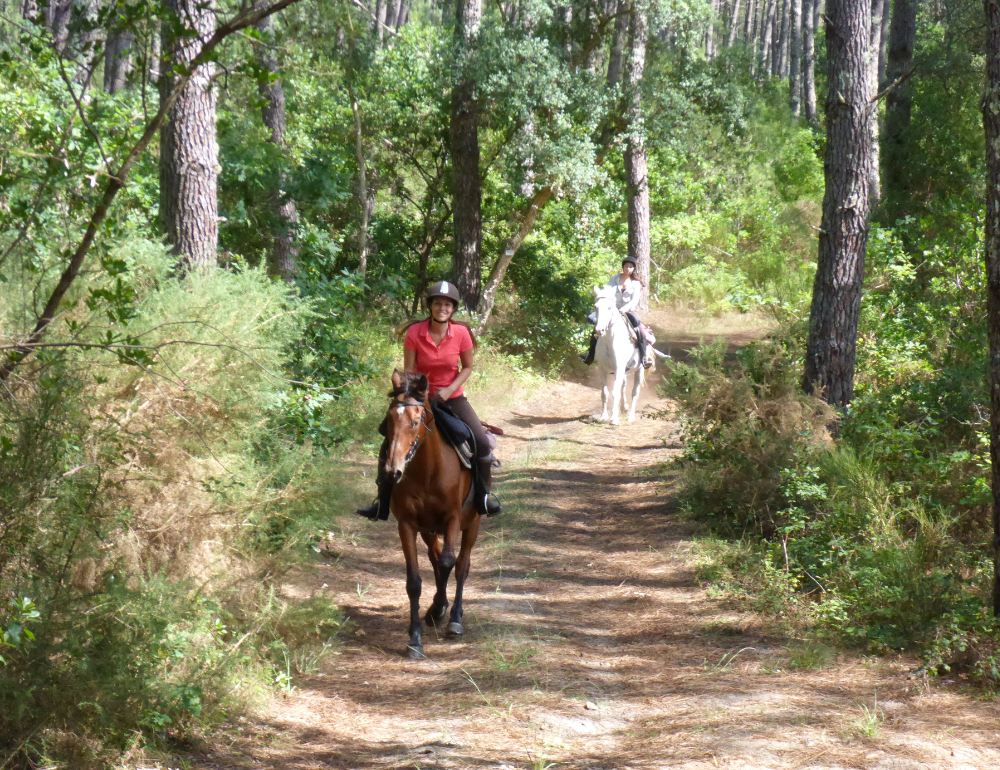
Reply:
x=589 y=642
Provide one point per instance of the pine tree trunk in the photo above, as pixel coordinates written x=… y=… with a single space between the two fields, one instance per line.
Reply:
x=636 y=178
x=394 y=15
x=809 y=60
x=466 y=186
x=283 y=258
x=753 y=25
x=189 y=153
x=874 y=46
x=766 y=68
x=784 y=67
x=117 y=60
x=836 y=301
x=884 y=39
x=734 y=25
x=795 y=59
x=898 y=102
x=991 y=124
x=617 y=45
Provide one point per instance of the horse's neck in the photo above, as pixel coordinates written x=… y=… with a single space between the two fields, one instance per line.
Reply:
x=430 y=456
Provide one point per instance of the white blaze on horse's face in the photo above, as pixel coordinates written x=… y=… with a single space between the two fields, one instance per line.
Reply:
x=606 y=308
x=405 y=432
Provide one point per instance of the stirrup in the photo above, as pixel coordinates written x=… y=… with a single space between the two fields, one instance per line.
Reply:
x=495 y=509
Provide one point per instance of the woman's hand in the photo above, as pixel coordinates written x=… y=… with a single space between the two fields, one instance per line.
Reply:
x=445 y=393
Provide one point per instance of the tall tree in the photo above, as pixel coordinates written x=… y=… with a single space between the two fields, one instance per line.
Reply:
x=991 y=125
x=117 y=59
x=810 y=16
x=467 y=193
x=636 y=178
x=784 y=40
x=899 y=101
x=884 y=39
x=734 y=25
x=843 y=237
x=189 y=152
x=617 y=44
x=283 y=257
x=795 y=58
x=874 y=48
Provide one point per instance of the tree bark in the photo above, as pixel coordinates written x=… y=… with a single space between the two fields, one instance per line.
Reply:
x=282 y=260
x=753 y=25
x=617 y=45
x=836 y=301
x=874 y=47
x=795 y=59
x=466 y=186
x=767 y=61
x=899 y=101
x=734 y=25
x=395 y=12
x=636 y=178
x=189 y=153
x=117 y=60
x=991 y=125
x=784 y=67
x=884 y=42
x=809 y=60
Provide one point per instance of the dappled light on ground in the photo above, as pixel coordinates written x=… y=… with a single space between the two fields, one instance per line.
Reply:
x=589 y=642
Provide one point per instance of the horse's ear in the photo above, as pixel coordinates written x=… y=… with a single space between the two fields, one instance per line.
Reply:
x=397 y=380
x=597 y=290
x=422 y=384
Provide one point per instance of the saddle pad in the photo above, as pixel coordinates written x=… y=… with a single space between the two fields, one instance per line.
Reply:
x=455 y=432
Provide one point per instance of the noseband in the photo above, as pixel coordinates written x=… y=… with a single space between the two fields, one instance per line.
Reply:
x=423 y=421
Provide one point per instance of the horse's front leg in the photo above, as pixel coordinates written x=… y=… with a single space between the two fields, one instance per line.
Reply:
x=461 y=573
x=408 y=537
x=639 y=377
x=605 y=394
x=616 y=394
x=435 y=615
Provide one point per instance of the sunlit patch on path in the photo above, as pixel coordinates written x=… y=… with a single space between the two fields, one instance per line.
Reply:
x=589 y=643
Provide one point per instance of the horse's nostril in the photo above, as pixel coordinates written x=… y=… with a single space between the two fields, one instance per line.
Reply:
x=397 y=475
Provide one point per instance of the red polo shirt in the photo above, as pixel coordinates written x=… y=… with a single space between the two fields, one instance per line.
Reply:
x=440 y=364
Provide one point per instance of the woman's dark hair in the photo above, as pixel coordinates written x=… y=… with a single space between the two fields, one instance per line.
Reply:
x=635 y=271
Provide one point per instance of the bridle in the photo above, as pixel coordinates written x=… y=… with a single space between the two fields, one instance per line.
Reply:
x=611 y=316
x=428 y=427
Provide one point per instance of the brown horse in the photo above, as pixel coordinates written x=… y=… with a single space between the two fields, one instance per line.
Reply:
x=431 y=497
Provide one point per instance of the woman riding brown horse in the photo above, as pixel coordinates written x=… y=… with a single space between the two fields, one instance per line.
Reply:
x=432 y=498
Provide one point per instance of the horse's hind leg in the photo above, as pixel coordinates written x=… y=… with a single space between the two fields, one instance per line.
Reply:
x=408 y=537
x=435 y=615
x=461 y=573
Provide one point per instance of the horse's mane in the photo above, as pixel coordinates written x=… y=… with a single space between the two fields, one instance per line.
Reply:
x=413 y=385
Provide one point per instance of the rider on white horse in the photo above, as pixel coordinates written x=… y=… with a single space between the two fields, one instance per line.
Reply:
x=628 y=293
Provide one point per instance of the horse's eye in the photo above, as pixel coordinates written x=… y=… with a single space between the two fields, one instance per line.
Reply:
x=415 y=424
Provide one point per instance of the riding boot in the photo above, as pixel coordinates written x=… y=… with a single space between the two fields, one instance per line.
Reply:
x=486 y=503
x=589 y=358
x=379 y=510
x=646 y=362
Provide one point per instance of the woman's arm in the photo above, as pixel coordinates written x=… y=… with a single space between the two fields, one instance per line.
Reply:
x=409 y=360
x=467 y=358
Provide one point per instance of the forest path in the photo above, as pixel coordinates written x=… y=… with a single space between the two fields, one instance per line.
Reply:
x=589 y=643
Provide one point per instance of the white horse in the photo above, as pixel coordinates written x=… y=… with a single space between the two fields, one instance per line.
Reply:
x=616 y=356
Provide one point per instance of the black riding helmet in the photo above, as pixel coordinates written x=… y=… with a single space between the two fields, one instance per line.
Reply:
x=444 y=289
x=631 y=260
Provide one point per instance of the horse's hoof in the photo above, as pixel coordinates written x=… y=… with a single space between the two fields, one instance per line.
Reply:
x=435 y=620
x=415 y=652
x=455 y=629
x=614 y=423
